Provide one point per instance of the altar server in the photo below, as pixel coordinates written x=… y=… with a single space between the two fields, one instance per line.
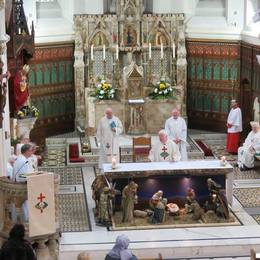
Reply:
x=251 y=146
x=176 y=129
x=234 y=127
x=109 y=129
x=165 y=150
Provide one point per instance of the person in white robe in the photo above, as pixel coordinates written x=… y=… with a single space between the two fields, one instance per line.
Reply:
x=108 y=131
x=10 y=166
x=234 y=127
x=176 y=129
x=22 y=167
x=33 y=160
x=165 y=150
x=251 y=146
x=24 y=139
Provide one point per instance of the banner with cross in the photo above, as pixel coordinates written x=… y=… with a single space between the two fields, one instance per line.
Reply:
x=41 y=204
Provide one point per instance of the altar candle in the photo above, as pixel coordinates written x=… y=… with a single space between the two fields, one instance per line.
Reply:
x=92 y=52
x=161 y=50
x=117 y=52
x=113 y=163
x=150 y=51
x=173 y=51
x=104 y=52
x=223 y=161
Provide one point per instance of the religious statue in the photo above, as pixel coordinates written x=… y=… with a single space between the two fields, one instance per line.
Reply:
x=21 y=88
x=104 y=207
x=192 y=206
x=158 y=205
x=217 y=199
x=97 y=188
x=129 y=199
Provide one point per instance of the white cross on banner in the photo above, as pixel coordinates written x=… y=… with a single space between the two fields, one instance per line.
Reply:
x=41 y=204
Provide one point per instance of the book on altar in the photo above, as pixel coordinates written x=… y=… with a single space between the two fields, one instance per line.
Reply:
x=41 y=204
x=113 y=125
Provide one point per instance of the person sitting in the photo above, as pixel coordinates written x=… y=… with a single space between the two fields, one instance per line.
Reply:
x=120 y=250
x=10 y=166
x=17 y=247
x=165 y=150
x=251 y=146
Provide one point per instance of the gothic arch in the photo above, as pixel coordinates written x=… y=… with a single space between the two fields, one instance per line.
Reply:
x=99 y=38
x=158 y=33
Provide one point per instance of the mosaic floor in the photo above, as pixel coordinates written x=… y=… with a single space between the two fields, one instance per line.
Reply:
x=73 y=213
x=248 y=197
x=68 y=175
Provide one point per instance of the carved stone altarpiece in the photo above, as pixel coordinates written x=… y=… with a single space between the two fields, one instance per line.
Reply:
x=129 y=65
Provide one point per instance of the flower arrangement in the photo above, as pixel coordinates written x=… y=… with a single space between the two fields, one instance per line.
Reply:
x=27 y=112
x=162 y=90
x=104 y=90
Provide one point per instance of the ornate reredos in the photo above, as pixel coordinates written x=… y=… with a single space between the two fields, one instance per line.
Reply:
x=129 y=31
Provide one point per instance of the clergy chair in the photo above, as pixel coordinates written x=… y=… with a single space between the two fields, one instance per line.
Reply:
x=141 y=147
x=74 y=156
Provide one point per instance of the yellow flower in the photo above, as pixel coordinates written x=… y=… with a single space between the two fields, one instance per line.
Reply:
x=36 y=114
x=162 y=86
x=20 y=114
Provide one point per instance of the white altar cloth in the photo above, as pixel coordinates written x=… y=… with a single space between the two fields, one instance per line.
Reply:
x=166 y=166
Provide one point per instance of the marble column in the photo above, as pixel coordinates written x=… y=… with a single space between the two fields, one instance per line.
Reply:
x=5 y=143
x=79 y=65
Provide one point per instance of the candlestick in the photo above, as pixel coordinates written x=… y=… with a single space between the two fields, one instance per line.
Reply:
x=117 y=52
x=150 y=51
x=104 y=52
x=161 y=50
x=113 y=163
x=223 y=161
x=92 y=52
x=173 y=51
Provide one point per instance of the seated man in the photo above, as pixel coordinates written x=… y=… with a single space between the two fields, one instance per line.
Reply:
x=251 y=146
x=165 y=150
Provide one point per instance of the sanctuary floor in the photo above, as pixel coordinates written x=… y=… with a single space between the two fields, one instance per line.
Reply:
x=229 y=242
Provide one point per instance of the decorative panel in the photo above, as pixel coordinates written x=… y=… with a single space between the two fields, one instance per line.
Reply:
x=213 y=80
x=52 y=89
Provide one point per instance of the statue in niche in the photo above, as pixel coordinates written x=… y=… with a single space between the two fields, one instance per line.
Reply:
x=99 y=40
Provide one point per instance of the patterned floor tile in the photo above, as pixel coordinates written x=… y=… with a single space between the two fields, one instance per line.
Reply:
x=248 y=197
x=68 y=175
x=73 y=213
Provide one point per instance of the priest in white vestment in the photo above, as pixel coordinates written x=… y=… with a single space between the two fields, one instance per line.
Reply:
x=165 y=150
x=109 y=129
x=234 y=127
x=176 y=129
x=251 y=146
x=22 y=167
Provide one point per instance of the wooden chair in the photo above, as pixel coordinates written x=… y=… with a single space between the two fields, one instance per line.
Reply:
x=141 y=147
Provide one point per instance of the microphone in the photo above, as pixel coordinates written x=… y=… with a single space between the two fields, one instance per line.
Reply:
x=20 y=170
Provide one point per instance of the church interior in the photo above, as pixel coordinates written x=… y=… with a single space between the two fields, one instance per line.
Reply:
x=136 y=120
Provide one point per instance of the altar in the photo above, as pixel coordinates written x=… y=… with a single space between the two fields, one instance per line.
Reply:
x=174 y=177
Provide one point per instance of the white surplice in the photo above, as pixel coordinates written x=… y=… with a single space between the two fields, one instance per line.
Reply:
x=235 y=119
x=177 y=129
x=246 y=153
x=168 y=152
x=109 y=143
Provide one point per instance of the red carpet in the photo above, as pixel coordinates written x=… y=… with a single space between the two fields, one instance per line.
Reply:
x=207 y=151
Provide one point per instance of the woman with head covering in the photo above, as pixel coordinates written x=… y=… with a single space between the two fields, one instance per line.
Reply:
x=120 y=250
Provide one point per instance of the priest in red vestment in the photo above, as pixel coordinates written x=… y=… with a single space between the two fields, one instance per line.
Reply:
x=234 y=127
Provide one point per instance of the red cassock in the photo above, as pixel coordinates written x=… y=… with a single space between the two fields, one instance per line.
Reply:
x=21 y=91
x=232 y=142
